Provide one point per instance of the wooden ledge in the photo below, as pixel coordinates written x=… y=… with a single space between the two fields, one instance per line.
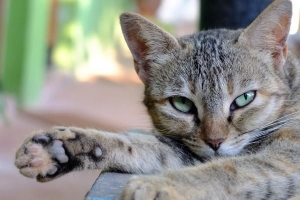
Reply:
x=108 y=186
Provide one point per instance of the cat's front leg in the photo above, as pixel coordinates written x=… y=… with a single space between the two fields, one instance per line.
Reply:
x=155 y=187
x=46 y=155
x=168 y=187
x=266 y=176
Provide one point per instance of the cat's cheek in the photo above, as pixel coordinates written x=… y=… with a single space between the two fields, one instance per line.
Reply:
x=173 y=121
x=268 y=109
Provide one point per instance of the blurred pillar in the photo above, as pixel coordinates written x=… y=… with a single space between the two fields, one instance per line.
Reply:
x=148 y=8
x=2 y=105
x=25 y=48
x=52 y=30
x=2 y=6
x=230 y=14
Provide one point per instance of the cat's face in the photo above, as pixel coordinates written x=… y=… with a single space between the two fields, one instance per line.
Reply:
x=217 y=90
x=213 y=88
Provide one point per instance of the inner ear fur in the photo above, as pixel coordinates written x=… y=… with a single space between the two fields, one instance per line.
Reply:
x=270 y=30
x=146 y=42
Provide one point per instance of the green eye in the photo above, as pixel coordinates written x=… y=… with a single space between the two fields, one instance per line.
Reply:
x=244 y=99
x=182 y=104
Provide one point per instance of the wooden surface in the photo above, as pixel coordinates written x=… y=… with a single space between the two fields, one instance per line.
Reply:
x=108 y=186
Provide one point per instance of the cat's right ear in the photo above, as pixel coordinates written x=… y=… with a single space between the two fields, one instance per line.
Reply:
x=146 y=41
x=270 y=30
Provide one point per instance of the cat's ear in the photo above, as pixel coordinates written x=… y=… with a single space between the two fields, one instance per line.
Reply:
x=146 y=42
x=270 y=30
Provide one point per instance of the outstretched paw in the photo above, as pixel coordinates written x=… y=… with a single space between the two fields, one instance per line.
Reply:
x=43 y=156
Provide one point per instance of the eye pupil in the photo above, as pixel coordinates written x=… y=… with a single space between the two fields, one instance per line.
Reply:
x=243 y=100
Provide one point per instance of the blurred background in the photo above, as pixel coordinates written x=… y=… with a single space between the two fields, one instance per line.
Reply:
x=65 y=62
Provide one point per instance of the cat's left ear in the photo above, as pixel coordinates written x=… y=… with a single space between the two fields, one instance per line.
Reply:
x=270 y=30
x=146 y=41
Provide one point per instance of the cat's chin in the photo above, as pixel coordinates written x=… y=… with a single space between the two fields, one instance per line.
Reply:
x=226 y=151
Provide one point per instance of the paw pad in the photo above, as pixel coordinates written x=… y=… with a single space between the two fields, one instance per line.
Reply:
x=42 y=139
x=97 y=152
x=34 y=149
x=37 y=162
x=52 y=170
x=58 y=151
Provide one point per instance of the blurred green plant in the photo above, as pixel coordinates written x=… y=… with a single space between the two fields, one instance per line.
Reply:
x=25 y=31
x=87 y=26
x=2 y=104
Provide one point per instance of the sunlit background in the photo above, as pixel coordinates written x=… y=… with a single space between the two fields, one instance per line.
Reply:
x=65 y=62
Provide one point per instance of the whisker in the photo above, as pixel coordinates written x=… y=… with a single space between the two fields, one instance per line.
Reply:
x=277 y=123
x=272 y=123
x=285 y=116
x=258 y=136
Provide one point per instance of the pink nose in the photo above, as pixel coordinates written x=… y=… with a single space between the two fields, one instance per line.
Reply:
x=214 y=144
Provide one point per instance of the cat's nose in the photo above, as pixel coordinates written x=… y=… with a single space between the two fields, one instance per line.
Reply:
x=214 y=144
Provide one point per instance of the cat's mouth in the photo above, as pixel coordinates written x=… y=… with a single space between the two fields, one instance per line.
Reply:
x=201 y=149
x=230 y=147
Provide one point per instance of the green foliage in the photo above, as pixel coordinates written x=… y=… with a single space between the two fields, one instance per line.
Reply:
x=24 y=50
x=86 y=25
x=2 y=104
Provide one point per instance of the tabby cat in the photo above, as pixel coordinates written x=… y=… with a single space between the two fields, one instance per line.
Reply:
x=225 y=108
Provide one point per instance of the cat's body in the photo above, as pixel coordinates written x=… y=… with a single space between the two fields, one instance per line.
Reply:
x=226 y=110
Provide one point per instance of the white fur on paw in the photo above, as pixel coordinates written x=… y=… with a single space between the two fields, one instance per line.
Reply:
x=64 y=133
x=151 y=187
x=144 y=190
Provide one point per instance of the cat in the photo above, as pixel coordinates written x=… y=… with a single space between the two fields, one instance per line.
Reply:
x=225 y=109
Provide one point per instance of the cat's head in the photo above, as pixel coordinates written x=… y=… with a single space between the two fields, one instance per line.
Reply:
x=217 y=89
